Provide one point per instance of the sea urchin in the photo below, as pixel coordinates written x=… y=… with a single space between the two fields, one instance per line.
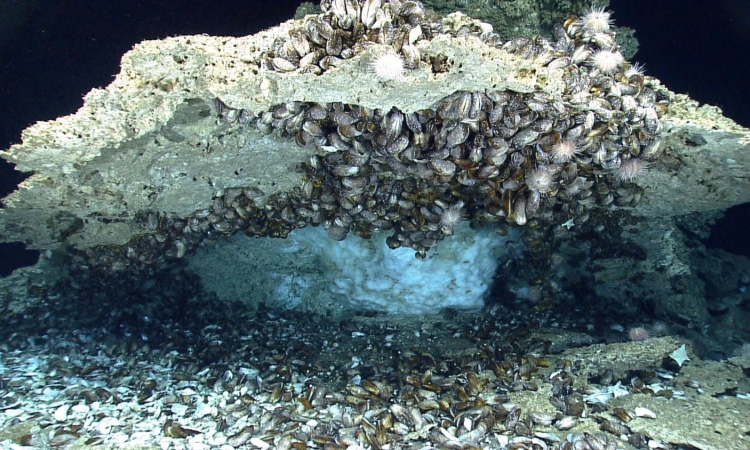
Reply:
x=388 y=66
x=597 y=19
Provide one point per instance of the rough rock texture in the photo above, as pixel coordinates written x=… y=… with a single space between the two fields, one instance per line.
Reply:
x=512 y=18
x=706 y=164
x=709 y=417
x=620 y=357
x=146 y=142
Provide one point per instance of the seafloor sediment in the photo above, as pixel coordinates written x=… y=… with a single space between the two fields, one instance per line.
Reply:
x=202 y=374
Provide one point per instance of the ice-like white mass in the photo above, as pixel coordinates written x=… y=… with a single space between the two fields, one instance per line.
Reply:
x=367 y=275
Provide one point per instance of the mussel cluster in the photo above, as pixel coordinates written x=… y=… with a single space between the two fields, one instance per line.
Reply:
x=239 y=378
x=491 y=156
x=497 y=156
x=345 y=29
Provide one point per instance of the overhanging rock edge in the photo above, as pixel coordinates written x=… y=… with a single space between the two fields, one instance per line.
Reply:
x=124 y=151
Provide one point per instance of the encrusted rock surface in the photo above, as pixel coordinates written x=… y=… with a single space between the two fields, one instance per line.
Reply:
x=147 y=141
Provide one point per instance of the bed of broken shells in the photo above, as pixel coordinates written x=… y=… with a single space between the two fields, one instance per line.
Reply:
x=197 y=374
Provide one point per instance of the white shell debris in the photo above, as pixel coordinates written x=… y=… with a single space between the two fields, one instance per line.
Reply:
x=263 y=445
x=645 y=412
x=680 y=355
x=502 y=439
x=604 y=394
x=105 y=425
x=61 y=413
x=178 y=409
x=204 y=409
x=80 y=408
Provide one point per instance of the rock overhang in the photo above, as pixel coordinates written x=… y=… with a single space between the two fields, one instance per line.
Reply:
x=151 y=142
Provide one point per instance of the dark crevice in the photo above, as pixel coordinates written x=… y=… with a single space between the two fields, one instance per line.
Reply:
x=13 y=255
x=730 y=232
x=10 y=178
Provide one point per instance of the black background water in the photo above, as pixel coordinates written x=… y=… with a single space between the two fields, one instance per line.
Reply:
x=52 y=52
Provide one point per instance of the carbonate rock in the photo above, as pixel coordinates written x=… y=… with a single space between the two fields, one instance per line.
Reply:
x=199 y=138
